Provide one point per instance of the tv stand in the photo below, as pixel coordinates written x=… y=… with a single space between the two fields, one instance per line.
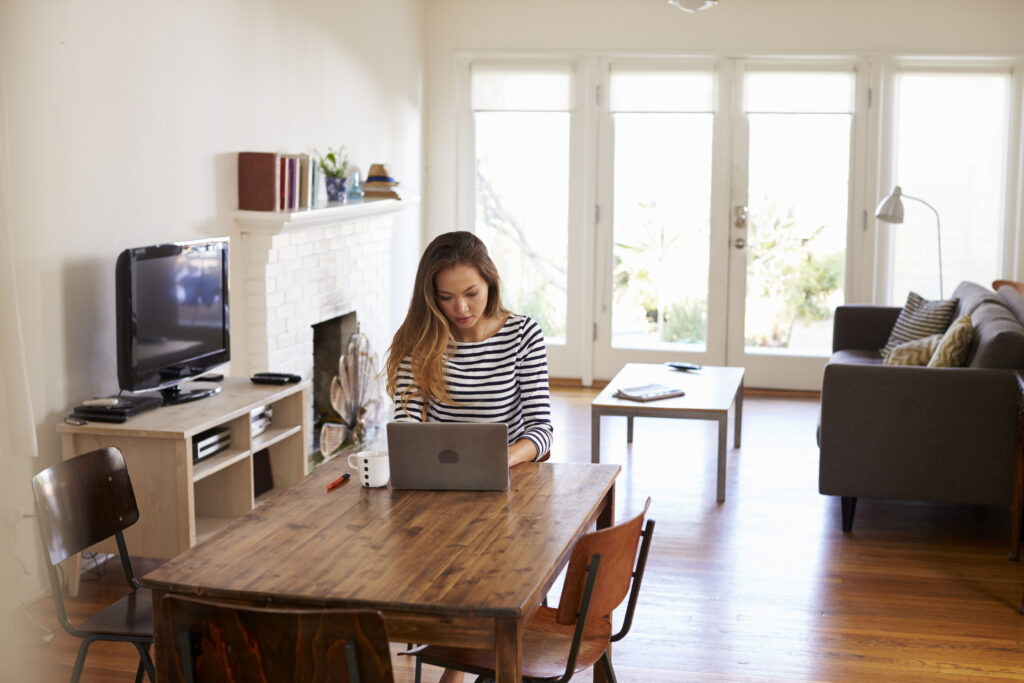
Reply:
x=174 y=395
x=181 y=502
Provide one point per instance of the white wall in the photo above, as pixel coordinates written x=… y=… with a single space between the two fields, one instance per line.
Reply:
x=734 y=27
x=120 y=121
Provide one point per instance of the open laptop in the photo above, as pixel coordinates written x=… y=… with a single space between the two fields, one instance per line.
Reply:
x=456 y=456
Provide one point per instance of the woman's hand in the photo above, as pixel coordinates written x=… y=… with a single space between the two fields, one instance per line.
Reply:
x=521 y=451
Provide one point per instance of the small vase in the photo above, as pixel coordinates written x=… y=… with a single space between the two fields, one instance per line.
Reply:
x=335 y=189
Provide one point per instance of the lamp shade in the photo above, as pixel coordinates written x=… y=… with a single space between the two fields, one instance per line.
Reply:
x=890 y=209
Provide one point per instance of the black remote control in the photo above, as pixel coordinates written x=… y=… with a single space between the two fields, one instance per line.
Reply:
x=275 y=378
x=685 y=367
x=268 y=380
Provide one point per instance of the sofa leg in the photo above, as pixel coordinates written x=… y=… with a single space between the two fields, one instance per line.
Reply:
x=849 y=504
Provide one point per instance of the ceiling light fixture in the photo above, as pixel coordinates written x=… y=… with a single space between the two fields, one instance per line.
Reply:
x=692 y=5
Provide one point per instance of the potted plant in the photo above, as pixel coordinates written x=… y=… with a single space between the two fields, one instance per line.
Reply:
x=334 y=166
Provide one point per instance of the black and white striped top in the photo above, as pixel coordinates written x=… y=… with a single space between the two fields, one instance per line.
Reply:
x=503 y=378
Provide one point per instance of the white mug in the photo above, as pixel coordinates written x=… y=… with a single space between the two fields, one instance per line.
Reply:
x=371 y=466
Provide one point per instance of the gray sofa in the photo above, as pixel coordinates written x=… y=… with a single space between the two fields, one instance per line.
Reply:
x=916 y=433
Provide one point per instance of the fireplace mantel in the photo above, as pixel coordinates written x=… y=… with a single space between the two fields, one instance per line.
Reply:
x=275 y=222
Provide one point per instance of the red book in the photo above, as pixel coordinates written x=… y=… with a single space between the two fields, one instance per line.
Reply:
x=258 y=181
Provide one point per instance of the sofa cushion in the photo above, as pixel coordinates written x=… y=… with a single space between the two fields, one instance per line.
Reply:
x=1014 y=301
x=914 y=352
x=951 y=351
x=970 y=295
x=998 y=339
x=920 y=318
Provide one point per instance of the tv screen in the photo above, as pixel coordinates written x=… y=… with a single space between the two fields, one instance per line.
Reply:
x=172 y=315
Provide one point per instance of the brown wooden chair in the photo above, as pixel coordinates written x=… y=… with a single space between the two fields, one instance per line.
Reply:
x=559 y=642
x=1019 y=286
x=214 y=641
x=80 y=502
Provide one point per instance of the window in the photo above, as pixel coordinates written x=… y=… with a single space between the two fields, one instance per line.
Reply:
x=952 y=136
x=521 y=119
x=662 y=124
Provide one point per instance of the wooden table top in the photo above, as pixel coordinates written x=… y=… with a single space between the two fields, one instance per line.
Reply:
x=489 y=554
x=712 y=388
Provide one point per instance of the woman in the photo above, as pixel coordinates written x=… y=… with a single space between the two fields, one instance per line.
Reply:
x=460 y=356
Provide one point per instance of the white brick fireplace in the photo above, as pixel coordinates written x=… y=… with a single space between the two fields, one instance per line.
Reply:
x=302 y=268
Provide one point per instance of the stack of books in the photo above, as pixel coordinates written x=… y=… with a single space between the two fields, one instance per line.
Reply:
x=379 y=184
x=268 y=181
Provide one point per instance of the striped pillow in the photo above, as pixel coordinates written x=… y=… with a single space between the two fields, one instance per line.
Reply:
x=920 y=318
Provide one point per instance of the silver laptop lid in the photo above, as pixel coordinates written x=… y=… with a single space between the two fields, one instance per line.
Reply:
x=458 y=456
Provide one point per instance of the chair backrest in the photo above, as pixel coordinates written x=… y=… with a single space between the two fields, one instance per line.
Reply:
x=618 y=546
x=214 y=641
x=82 y=501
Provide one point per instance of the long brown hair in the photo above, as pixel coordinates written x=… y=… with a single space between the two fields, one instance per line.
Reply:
x=425 y=336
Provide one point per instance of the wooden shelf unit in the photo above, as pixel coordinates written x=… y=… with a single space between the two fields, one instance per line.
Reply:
x=181 y=503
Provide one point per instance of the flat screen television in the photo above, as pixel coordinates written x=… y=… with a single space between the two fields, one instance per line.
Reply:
x=173 y=320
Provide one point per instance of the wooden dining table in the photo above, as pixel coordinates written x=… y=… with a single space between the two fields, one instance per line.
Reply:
x=463 y=568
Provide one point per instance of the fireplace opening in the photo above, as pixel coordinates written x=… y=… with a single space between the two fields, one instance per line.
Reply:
x=330 y=338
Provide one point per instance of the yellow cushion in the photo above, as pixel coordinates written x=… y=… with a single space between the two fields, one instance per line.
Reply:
x=914 y=352
x=951 y=351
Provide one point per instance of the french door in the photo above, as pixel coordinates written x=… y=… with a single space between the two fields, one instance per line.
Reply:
x=725 y=190
x=721 y=193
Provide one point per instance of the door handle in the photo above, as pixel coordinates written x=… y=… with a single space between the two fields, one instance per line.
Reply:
x=741 y=217
x=739 y=243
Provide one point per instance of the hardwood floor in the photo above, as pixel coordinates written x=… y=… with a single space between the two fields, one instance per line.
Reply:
x=764 y=587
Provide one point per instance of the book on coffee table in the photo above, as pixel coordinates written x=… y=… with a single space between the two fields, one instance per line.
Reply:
x=648 y=392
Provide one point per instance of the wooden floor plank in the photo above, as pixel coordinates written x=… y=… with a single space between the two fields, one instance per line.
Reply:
x=764 y=587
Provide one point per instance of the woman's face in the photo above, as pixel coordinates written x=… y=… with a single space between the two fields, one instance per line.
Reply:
x=462 y=297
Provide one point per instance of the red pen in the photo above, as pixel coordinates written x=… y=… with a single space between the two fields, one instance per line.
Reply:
x=338 y=482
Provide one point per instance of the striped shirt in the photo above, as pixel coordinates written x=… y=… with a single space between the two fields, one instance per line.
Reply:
x=503 y=378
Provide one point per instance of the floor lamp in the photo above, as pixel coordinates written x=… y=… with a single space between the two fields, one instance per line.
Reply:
x=890 y=210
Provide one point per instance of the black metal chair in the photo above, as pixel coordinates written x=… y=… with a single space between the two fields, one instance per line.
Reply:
x=80 y=502
x=604 y=567
x=215 y=641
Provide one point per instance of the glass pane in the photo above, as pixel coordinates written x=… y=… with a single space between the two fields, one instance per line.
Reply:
x=798 y=193
x=662 y=180
x=950 y=152
x=659 y=91
x=522 y=210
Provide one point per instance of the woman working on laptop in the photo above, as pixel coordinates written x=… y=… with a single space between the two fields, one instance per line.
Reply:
x=460 y=356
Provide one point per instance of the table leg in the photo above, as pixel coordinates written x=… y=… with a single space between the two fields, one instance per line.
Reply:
x=73 y=573
x=629 y=429
x=723 y=432
x=508 y=650
x=604 y=520
x=739 y=416
x=595 y=436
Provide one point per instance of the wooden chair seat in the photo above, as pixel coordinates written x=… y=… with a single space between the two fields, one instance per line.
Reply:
x=546 y=646
x=605 y=567
x=131 y=615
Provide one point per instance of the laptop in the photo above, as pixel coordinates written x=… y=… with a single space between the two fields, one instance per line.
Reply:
x=448 y=456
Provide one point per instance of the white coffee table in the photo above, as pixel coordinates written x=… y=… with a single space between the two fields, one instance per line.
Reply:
x=710 y=392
